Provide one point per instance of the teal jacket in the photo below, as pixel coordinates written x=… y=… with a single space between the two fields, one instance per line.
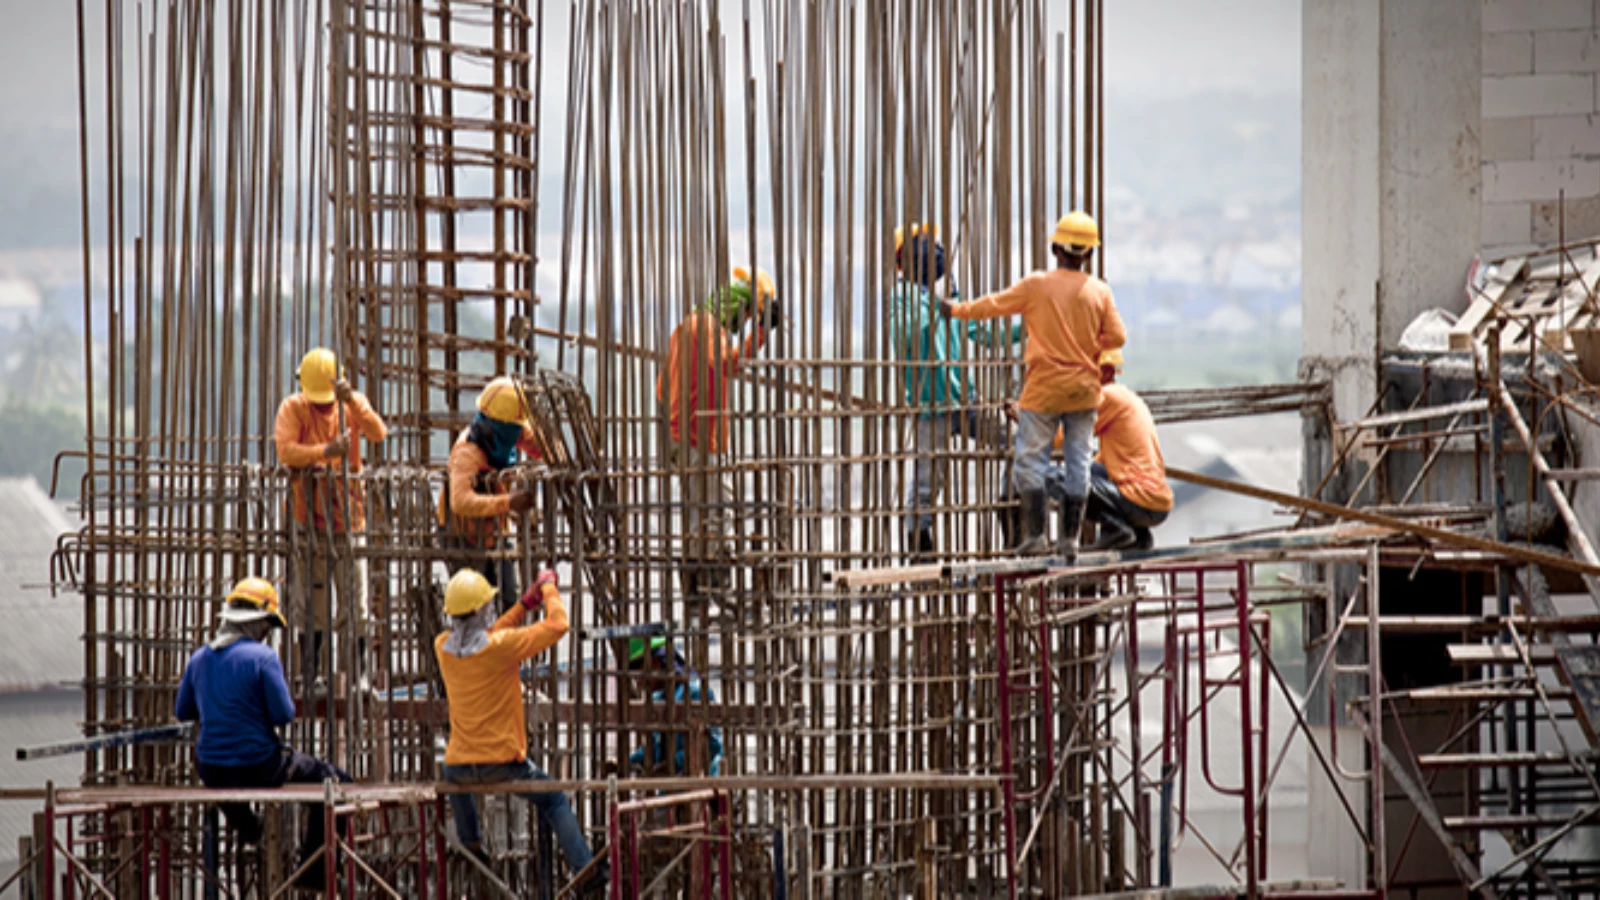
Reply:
x=920 y=334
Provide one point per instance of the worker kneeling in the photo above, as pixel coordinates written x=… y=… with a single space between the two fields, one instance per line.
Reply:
x=235 y=687
x=480 y=659
x=1128 y=490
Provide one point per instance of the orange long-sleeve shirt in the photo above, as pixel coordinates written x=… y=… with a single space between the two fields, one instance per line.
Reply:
x=1071 y=318
x=488 y=723
x=701 y=359
x=1129 y=449
x=475 y=513
x=302 y=430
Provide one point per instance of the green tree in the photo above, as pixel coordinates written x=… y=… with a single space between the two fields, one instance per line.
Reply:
x=34 y=435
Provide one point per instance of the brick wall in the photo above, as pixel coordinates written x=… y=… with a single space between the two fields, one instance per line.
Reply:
x=1541 y=120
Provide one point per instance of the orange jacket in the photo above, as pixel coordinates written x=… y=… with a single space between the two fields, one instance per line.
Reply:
x=301 y=431
x=1129 y=449
x=488 y=723
x=701 y=359
x=477 y=514
x=1071 y=319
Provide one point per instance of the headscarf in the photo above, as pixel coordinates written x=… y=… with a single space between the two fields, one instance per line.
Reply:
x=471 y=632
x=497 y=439
x=229 y=633
x=924 y=263
x=728 y=303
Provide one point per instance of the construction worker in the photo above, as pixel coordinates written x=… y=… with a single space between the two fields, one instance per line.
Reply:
x=1071 y=319
x=1128 y=490
x=234 y=687
x=311 y=441
x=939 y=392
x=666 y=674
x=480 y=659
x=693 y=391
x=473 y=508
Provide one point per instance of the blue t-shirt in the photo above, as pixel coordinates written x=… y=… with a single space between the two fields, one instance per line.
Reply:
x=239 y=695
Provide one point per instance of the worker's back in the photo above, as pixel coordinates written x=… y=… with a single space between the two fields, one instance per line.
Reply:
x=1129 y=449
x=1070 y=318
x=239 y=694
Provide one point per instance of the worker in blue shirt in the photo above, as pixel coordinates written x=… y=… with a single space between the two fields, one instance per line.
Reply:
x=936 y=385
x=234 y=686
x=664 y=671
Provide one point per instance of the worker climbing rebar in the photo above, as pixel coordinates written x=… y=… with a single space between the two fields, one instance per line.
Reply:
x=474 y=508
x=935 y=383
x=316 y=430
x=693 y=393
x=1071 y=319
x=234 y=687
x=480 y=659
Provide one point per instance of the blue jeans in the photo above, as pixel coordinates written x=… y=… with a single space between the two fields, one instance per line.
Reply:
x=1036 y=435
x=553 y=807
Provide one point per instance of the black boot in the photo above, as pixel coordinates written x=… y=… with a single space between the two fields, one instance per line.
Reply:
x=1115 y=534
x=1010 y=522
x=1034 y=540
x=1071 y=525
x=1143 y=539
x=925 y=543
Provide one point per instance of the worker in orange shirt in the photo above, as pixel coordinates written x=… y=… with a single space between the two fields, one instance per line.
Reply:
x=475 y=504
x=327 y=527
x=1071 y=319
x=480 y=659
x=693 y=391
x=1128 y=490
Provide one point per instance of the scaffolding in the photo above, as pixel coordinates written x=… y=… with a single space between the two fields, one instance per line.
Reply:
x=367 y=176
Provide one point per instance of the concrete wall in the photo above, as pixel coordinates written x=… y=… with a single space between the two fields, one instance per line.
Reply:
x=1391 y=177
x=1541 y=120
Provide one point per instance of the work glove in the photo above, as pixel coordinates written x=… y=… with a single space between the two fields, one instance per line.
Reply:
x=337 y=447
x=342 y=391
x=772 y=315
x=946 y=307
x=521 y=501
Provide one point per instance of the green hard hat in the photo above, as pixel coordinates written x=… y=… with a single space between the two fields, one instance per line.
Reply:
x=636 y=647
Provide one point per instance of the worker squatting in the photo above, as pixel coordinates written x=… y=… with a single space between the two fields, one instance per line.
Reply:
x=235 y=685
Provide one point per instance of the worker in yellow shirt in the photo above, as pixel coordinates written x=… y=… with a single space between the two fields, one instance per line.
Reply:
x=694 y=392
x=327 y=525
x=1128 y=490
x=475 y=506
x=480 y=659
x=1071 y=319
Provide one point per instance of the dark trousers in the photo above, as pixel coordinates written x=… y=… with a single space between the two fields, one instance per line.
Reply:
x=1107 y=505
x=285 y=767
x=464 y=554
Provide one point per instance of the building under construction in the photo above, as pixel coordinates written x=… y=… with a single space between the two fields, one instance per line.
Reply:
x=380 y=178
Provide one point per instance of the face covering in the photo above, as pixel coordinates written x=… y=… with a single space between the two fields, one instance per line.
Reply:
x=471 y=632
x=728 y=304
x=498 y=440
x=229 y=633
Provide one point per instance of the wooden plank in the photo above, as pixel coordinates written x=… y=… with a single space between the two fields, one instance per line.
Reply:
x=1499 y=654
x=1466 y=327
x=1579 y=667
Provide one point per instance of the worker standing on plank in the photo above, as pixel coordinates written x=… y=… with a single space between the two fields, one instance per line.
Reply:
x=310 y=444
x=234 y=687
x=940 y=392
x=1128 y=490
x=480 y=659
x=693 y=391
x=473 y=508
x=666 y=675
x=1071 y=319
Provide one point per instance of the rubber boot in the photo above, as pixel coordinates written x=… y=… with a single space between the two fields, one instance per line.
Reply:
x=1071 y=526
x=1034 y=540
x=1115 y=534
x=1143 y=539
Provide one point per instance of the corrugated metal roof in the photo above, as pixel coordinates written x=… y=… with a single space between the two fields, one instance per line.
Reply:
x=39 y=634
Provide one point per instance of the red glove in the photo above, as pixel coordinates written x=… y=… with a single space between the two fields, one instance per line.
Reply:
x=533 y=597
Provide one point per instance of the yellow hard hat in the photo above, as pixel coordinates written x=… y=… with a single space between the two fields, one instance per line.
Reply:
x=503 y=401
x=467 y=592
x=252 y=600
x=319 y=369
x=1076 y=229
x=900 y=233
x=1111 y=358
x=766 y=289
